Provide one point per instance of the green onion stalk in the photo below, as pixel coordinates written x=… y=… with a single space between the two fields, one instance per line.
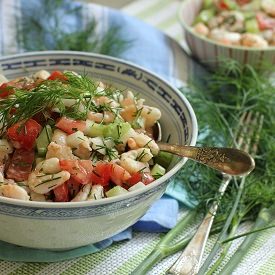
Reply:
x=265 y=216
x=168 y=246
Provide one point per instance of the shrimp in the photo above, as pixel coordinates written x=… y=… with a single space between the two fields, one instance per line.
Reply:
x=119 y=174
x=106 y=117
x=134 y=166
x=83 y=151
x=150 y=115
x=253 y=40
x=42 y=74
x=5 y=149
x=201 y=29
x=106 y=100
x=59 y=151
x=14 y=191
x=224 y=37
x=268 y=6
x=43 y=183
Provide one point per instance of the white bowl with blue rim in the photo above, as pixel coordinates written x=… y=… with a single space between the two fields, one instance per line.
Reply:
x=59 y=226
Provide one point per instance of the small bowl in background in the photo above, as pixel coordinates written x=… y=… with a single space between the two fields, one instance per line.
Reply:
x=211 y=53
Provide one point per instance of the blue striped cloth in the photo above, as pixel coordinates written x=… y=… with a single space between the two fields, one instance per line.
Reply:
x=150 y=48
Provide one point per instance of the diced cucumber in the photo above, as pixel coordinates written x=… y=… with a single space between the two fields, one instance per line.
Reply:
x=113 y=130
x=251 y=25
x=207 y=4
x=164 y=159
x=116 y=130
x=116 y=191
x=44 y=140
x=232 y=5
x=137 y=186
x=96 y=130
x=158 y=171
x=205 y=15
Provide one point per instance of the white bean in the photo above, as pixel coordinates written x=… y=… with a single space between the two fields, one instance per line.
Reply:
x=96 y=193
x=42 y=183
x=82 y=195
x=75 y=139
x=51 y=166
x=3 y=79
x=42 y=74
x=14 y=191
x=37 y=197
x=141 y=154
x=143 y=140
x=253 y=40
x=133 y=166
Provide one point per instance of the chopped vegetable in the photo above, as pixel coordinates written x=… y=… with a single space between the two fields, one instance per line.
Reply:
x=87 y=145
x=23 y=134
x=116 y=191
x=43 y=140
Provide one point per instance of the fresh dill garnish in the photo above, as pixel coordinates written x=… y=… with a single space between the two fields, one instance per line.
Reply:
x=47 y=21
x=51 y=94
x=219 y=101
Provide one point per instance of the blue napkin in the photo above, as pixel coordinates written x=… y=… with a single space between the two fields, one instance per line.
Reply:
x=150 y=49
x=161 y=217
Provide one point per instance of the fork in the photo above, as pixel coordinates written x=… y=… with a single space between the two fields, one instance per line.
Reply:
x=189 y=261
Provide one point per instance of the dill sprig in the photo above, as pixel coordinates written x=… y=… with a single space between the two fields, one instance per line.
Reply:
x=56 y=26
x=51 y=94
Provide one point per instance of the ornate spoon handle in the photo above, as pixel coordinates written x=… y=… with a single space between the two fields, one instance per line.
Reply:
x=189 y=261
x=230 y=161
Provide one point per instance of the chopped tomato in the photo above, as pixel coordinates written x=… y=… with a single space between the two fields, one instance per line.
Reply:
x=146 y=178
x=119 y=175
x=21 y=165
x=243 y=2
x=61 y=193
x=223 y=5
x=70 y=126
x=6 y=90
x=73 y=187
x=57 y=75
x=80 y=170
x=265 y=22
x=102 y=173
x=23 y=134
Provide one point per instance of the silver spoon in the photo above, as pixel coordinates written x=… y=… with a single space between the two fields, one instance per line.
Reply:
x=230 y=161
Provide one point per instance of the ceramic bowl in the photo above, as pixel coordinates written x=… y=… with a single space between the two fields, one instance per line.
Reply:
x=59 y=226
x=209 y=52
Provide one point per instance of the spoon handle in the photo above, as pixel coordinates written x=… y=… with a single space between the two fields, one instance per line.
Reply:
x=227 y=160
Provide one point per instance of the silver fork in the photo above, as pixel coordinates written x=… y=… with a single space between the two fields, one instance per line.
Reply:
x=247 y=137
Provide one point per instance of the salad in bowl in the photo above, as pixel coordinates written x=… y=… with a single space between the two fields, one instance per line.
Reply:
x=68 y=138
x=78 y=161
